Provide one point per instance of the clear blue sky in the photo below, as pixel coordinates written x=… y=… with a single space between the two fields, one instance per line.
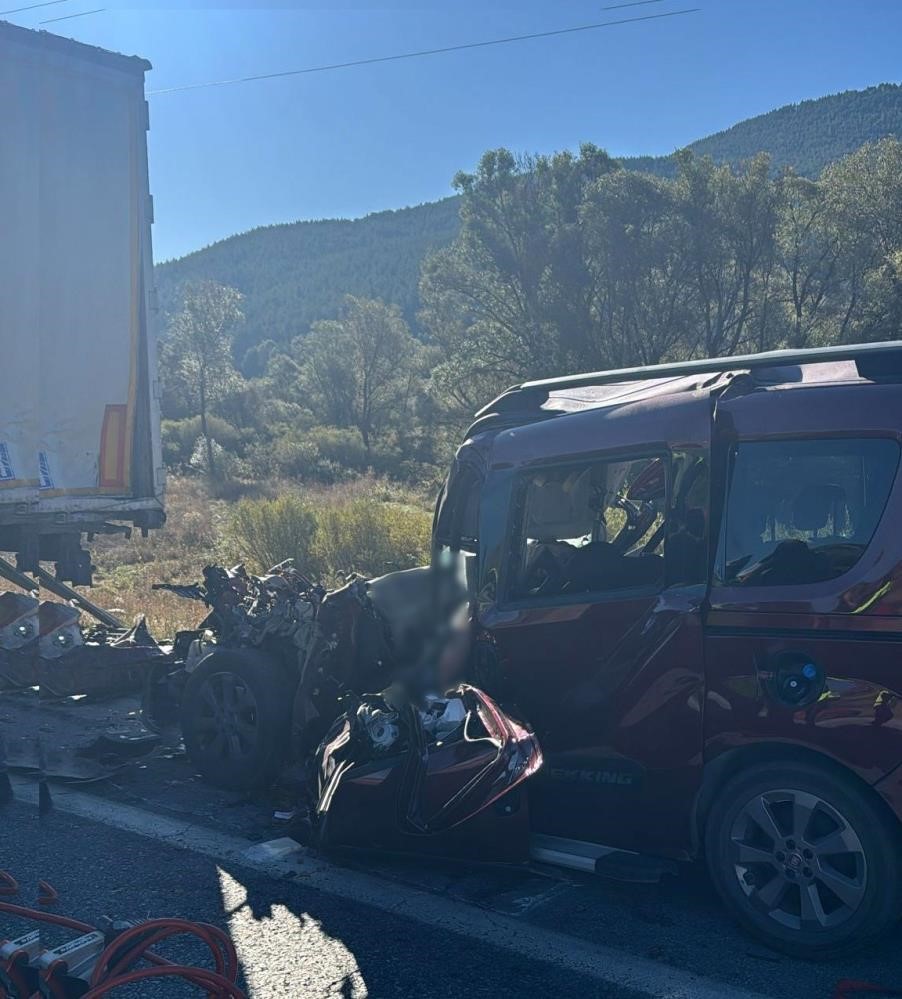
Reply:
x=353 y=141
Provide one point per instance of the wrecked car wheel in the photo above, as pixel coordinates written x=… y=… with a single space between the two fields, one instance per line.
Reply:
x=805 y=859
x=236 y=712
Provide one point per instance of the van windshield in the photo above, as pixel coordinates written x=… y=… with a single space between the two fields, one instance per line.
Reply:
x=803 y=511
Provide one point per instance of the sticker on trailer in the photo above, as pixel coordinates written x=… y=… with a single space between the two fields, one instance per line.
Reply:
x=7 y=472
x=45 y=479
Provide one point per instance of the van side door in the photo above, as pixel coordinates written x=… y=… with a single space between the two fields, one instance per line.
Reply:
x=592 y=602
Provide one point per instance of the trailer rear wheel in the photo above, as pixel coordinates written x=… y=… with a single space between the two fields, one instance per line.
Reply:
x=236 y=715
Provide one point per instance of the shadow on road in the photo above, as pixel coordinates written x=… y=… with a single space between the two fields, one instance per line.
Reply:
x=296 y=941
x=292 y=941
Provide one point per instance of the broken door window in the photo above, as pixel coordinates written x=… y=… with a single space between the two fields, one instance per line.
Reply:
x=595 y=526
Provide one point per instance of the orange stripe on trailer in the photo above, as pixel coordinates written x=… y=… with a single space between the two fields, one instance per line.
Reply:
x=112 y=446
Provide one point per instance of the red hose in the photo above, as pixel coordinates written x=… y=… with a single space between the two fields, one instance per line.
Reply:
x=115 y=966
x=46 y=917
x=143 y=936
x=215 y=985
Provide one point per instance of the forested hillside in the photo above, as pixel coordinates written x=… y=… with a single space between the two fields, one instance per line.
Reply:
x=291 y=275
x=561 y=263
x=294 y=274
x=805 y=136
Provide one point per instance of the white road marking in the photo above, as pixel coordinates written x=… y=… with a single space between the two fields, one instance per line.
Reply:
x=597 y=961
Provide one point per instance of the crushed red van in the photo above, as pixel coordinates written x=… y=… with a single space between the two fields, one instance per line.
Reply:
x=688 y=579
x=684 y=640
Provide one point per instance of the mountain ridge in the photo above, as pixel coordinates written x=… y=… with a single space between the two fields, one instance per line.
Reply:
x=293 y=273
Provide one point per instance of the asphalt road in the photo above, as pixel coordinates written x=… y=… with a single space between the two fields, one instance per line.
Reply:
x=292 y=941
x=336 y=943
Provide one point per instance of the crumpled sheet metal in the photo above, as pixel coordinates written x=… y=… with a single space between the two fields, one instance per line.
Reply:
x=250 y=610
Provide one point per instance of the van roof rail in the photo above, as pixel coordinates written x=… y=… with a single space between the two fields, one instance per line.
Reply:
x=867 y=352
x=873 y=361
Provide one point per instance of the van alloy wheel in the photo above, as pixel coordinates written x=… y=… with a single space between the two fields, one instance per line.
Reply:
x=798 y=859
x=805 y=856
x=236 y=718
x=227 y=720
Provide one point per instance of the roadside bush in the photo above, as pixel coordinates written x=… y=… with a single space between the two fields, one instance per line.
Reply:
x=339 y=445
x=228 y=466
x=330 y=537
x=293 y=457
x=342 y=451
x=267 y=531
x=180 y=437
x=324 y=455
x=370 y=537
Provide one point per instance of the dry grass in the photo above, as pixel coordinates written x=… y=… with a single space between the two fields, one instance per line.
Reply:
x=369 y=536
x=176 y=553
x=200 y=530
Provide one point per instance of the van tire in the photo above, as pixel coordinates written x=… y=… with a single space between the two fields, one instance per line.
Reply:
x=236 y=718
x=781 y=836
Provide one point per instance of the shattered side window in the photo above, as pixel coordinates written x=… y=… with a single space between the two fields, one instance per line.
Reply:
x=596 y=526
x=456 y=535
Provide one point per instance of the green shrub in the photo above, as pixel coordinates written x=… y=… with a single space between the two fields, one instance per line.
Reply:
x=339 y=445
x=267 y=531
x=180 y=437
x=228 y=466
x=320 y=454
x=330 y=536
x=371 y=537
x=292 y=457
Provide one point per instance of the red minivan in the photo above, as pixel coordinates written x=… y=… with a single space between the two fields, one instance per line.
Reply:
x=685 y=593
x=688 y=579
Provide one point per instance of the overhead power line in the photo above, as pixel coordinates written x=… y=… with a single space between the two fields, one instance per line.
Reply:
x=632 y=3
x=34 y=6
x=68 y=17
x=421 y=53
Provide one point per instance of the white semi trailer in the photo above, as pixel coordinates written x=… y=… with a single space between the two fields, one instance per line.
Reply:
x=79 y=411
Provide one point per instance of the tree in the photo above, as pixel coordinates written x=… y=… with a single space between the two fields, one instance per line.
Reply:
x=197 y=351
x=730 y=221
x=513 y=296
x=641 y=301
x=361 y=369
x=809 y=261
x=864 y=197
x=568 y=262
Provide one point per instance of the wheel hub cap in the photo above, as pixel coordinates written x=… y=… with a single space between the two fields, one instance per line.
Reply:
x=798 y=860
x=227 y=723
